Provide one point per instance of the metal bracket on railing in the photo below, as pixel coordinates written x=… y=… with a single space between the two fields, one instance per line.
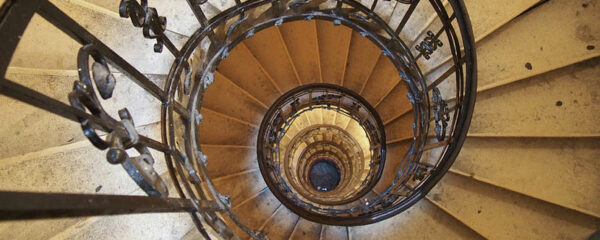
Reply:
x=441 y=115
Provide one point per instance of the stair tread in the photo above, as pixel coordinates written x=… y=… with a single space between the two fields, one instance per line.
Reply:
x=393 y=160
x=334 y=43
x=301 y=41
x=53 y=49
x=270 y=50
x=241 y=187
x=75 y=168
x=30 y=124
x=394 y=103
x=242 y=68
x=532 y=38
x=219 y=130
x=225 y=160
x=255 y=212
x=532 y=167
x=384 y=77
x=132 y=226
x=281 y=225
x=222 y=96
x=400 y=128
x=137 y=226
x=306 y=230
x=362 y=58
x=485 y=17
x=419 y=20
x=334 y=233
x=484 y=207
x=422 y=221
x=559 y=103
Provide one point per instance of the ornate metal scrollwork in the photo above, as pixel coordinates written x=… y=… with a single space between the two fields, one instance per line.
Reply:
x=429 y=44
x=121 y=134
x=153 y=26
x=441 y=115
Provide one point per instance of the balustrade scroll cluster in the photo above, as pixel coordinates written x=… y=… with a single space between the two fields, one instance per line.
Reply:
x=121 y=135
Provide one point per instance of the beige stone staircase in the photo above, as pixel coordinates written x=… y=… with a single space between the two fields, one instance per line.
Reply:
x=528 y=169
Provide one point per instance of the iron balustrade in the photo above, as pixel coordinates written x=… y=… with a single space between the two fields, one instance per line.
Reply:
x=190 y=76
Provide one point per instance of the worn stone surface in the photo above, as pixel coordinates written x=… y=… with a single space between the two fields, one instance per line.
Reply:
x=271 y=51
x=532 y=166
x=301 y=40
x=256 y=211
x=282 y=224
x=553 y=35
x=422 y=221
x=241 y=187
x=26 y=123
x=306 y=230
x=52 y=49
x=242 y=68
x=334 y=42
x=563 y=102
x=334 y=232
x=225 y=160
x=485 y=208
x=362 y=57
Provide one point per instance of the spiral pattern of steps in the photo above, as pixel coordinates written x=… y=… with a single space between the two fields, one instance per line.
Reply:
x=528 y=169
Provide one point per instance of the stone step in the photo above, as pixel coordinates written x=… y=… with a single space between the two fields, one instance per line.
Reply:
x=362 y=59
x=241 y=187
x=243 y=69
x=531 y=166
x=74 y=168
x=53 y=49
x=531 y=45
x=306 y=230
x=225 y=97
x=334 y=233
x=217 y=129
x=41 y=129
x=224 y=160
x=394 y=160
x=486 y=18
x=271 y=52
x=400 y=128
x=560 y=103
x=334 y=47
x=383 y=81
x=301 y=40
x=256 y=211
x=484 y=207
x=421 y=221
x=281 y=225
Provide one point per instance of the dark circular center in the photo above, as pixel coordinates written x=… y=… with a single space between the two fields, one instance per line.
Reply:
x=324 y=175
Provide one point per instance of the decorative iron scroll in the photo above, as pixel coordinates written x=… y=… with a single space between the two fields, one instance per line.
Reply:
x=122 y=135
x=429 y=44
x=441 y=115
x=153 y=26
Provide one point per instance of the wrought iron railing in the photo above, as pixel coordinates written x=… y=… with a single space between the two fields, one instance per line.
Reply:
x=280 y=117
x=192 y=73
x=347 y=152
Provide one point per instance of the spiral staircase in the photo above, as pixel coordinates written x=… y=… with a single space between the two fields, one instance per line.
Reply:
x=230 y=105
